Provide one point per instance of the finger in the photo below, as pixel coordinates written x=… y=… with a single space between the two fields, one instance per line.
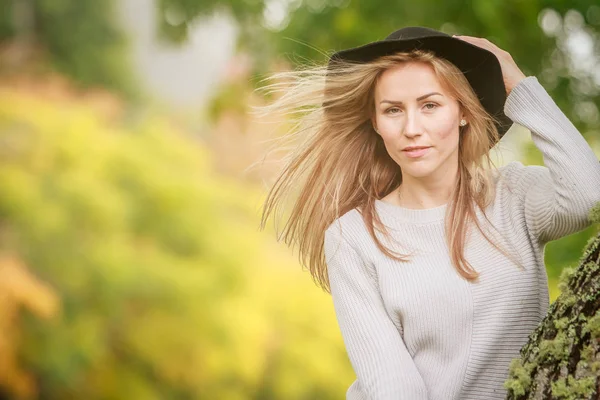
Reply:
x=470 y=39
x=486 y=44
x=466 y=37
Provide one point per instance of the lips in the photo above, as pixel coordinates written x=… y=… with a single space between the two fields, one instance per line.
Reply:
x=416 y=152
x=412 y=148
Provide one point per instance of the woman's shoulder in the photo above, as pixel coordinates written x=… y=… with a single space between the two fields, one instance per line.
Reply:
x=347 y=225
x=352 y=228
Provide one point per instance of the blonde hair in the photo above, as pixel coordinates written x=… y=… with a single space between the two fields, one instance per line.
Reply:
x=340 y=162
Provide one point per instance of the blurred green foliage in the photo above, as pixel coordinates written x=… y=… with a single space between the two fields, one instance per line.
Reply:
x=167 y=289
x=82 y=39
x=85 y=40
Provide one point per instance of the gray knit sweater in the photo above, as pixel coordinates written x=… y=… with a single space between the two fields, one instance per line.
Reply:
x=418 y=330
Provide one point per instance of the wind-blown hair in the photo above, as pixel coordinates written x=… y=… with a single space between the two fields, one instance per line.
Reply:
x=340 y=163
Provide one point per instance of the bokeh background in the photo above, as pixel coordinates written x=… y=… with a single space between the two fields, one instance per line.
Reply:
x=132 y=265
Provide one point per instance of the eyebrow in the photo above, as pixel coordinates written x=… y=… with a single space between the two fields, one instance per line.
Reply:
x=418 y=98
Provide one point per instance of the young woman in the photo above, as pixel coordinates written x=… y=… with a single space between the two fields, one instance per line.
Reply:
x=433 y=257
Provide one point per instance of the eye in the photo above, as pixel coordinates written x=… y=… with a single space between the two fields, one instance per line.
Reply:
x=396 y=110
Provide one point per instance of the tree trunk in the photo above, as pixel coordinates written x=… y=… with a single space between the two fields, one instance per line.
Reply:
x=20 y=50
x=562 y=358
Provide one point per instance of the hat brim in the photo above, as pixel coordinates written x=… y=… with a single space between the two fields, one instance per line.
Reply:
x=480 y=67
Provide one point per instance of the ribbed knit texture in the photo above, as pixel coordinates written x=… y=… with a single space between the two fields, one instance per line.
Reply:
x=418 y=330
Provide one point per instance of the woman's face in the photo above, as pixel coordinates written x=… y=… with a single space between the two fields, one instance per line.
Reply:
x=408 y=114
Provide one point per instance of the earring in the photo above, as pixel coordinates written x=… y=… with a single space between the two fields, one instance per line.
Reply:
x=463 y=122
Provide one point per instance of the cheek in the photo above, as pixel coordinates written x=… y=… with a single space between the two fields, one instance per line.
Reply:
x=383 y=124
x=446 y=130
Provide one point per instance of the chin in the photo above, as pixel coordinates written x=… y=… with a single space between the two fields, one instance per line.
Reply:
x=419 y=171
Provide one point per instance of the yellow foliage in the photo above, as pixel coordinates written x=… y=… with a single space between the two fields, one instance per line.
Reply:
x=19 y=288
x=171 y=290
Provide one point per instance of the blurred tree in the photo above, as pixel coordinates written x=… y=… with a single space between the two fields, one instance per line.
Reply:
x=167 y=289
x=551 y=39
x=81 y=39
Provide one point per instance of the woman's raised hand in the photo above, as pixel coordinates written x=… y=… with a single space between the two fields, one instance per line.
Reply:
x=511 y=73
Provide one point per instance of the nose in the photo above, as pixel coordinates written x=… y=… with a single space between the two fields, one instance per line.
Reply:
x=413 y=125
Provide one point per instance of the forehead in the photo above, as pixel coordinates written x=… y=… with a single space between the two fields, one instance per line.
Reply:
x=408 y=81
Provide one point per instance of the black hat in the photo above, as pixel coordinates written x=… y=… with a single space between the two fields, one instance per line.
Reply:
x=480 y=66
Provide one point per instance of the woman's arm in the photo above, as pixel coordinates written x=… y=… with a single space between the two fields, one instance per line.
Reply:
x=383 y=365
x=558 y=196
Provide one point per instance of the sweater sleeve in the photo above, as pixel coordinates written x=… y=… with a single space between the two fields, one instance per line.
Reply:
x=558 y=196
x=383 y=366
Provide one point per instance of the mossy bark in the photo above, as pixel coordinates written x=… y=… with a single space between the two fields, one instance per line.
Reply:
x=562 y=358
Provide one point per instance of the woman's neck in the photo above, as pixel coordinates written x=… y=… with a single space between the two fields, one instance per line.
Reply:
x=421 y=194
